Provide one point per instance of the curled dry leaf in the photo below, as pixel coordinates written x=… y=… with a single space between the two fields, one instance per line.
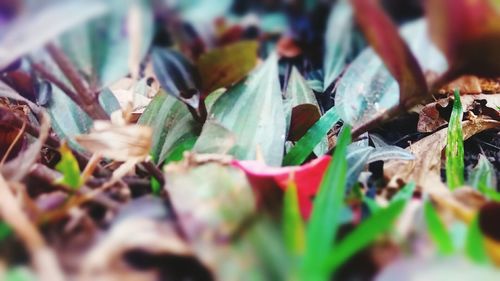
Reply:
x=430 y=116
x=472 y=85
x=425 y=169
x=118 y=142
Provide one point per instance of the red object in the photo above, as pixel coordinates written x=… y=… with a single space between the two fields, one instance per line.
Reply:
x=307 y=178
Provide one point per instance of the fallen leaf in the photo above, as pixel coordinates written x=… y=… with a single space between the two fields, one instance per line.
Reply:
x=118 y=142
x=425 y=169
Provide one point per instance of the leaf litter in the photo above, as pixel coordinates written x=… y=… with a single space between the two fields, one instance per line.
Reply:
x=249 y=140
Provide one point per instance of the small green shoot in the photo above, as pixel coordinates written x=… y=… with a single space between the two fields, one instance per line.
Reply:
x=68 y=166
x=474 y=245
x=303 y=148
x=5 y=230
x=364 y=234
x=455 y=146
x=293 y=226
x=405 y=193
x=437 y=230
x=324 y=220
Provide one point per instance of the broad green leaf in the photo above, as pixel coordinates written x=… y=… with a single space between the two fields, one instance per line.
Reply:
x=364 y=234
x=172 y=125
x=384 y=151
x=483 y=175
x=227 y=65
x=384 y=38
x=101 y=49
x=474 y=245
x=214 y=138
x=338 y=37
x=455 y=146
x=325 y=217
x=68 y=166
x=406 y=193
x=313 y=136
x=68 y=120
x=293 y=226
x=253 y=111
x=437 y=230
x=367 y=88
x=37 y=26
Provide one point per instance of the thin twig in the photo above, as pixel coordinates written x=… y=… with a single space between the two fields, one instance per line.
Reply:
x=89 y=99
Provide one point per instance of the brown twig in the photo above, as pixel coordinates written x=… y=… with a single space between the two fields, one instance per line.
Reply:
x=89 y=99
x=46 y=74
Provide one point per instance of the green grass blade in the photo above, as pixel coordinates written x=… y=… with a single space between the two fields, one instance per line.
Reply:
x=405 y=193
x=455 y=146
x=312 y=137
x=364 y=234
x=474 y=245
x=293 y=226
x=437 y=230
x=324 y=221
x=5 y=230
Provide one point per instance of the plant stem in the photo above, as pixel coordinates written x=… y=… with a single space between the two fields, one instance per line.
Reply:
x=89 y=100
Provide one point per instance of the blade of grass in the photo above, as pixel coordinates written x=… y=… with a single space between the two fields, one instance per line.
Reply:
x=364 y=234
x=293 y=226
x=405 y=193
x=311 y=138
x=324 y=221
x=474 y=245
x=437 y=230
x=455 y=146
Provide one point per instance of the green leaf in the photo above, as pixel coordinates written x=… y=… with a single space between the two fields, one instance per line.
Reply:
x=5 y=230
x=177 y=152
x=474 y=245
x=36 y=27
x=69 y=120
x=313 y=136
x=483 y=175
x=293 y=226
x=172 y=125
x=253 y=111
x=214 y=138
x=364 y=234
x=227 y=65
x=325 y=217
x=371 y=204
x=101 y=48
x=19 y=273
x=406 y=193
x=455 y=146
x=437 y=230
x=155 y=186
x=368 y=89
x=338 y=39
x=68 y=166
